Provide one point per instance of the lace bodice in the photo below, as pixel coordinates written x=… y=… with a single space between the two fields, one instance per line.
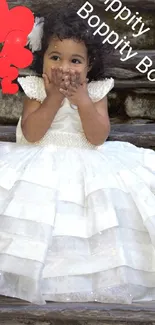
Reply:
x=67 y=120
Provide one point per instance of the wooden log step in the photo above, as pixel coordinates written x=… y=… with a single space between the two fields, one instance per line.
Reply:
x=132 y=84
x=39 y=6
x=8 y=133
x=141 y=135
x=141 y=4
x=134 y=61
x=11 y=309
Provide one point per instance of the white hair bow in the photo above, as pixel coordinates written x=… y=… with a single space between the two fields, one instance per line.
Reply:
x=35 y=37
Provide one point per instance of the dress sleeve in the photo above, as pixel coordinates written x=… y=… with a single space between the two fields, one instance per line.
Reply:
x=99 y=89
x=33 y=87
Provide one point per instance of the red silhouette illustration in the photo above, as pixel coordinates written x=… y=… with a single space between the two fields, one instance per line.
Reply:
x=15 y=26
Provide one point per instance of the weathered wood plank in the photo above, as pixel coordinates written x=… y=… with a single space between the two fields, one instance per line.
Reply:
x=132 y=84
x=8 y=133
x=146 y=4
x=15 y=309
x=37 y=4
x=39 y=7
x=141 y=135
x=134 y=61
x=122 y=73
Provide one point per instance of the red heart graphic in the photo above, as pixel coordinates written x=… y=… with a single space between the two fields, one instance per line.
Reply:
x=18 y=18
x=6 y=70
x=4 y=67
x=21 y=19
x=21 y=57
x=15 y=25
x=14 y=38
x=13 y=73
x=8 y=87
x=14 y=48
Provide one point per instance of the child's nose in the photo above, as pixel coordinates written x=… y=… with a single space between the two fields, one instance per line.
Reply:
x=65 y=65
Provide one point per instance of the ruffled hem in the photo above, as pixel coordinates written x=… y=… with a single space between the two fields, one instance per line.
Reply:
x=77 y=224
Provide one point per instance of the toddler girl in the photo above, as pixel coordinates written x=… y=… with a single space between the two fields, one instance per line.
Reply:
x=77 y=213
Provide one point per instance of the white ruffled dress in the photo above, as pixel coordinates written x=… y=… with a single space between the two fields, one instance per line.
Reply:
x=77 y=222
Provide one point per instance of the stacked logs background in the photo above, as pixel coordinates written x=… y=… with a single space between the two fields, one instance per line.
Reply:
x=132 y=101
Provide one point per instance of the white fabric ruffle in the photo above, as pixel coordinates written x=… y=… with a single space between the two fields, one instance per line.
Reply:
x=77 y=224
x=33 y=87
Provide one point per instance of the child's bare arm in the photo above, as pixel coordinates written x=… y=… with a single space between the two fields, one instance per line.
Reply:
x=95 y=120
x=37 y=118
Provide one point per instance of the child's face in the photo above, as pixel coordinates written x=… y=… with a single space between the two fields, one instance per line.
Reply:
x=67 y=54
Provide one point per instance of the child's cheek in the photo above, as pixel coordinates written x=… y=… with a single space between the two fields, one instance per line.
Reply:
x=47 y=67
x=80 y=70
x=84 y=71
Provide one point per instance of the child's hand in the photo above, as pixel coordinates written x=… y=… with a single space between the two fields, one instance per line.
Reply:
x=75 y=89
x=58 y=77
x=56 y=81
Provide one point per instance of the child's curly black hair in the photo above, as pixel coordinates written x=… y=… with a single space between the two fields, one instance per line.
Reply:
x=63 y=22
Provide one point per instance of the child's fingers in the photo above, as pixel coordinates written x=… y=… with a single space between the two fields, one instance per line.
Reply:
x=59 y=75
x=69 y=91
x=72 y=90
x=53 y=75
x=64 y=92
x=66 y=81
x=64 y=85
x=46 y=80
x=68 y=75
x=56 y=75
x=73 y=77
x=78 y=77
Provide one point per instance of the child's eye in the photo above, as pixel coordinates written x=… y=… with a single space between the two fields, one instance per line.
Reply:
x=55 y=58
x=76 y=61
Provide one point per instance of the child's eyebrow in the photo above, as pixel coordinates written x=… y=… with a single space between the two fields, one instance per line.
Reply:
x=77 y=55
x=54 y=52
x=80 y=56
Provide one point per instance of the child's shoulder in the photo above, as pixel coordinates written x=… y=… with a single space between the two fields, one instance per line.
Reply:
x=99 y=89
x=33 y=87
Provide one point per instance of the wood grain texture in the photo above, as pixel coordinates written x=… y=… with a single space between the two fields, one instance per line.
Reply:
x=40 y=7
x=37 y=4
x=142 y=4
x=71 y=322
x=139 y=135
x=15 y=309
x=132 y=84
x=132 y=62
x=8 y=133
